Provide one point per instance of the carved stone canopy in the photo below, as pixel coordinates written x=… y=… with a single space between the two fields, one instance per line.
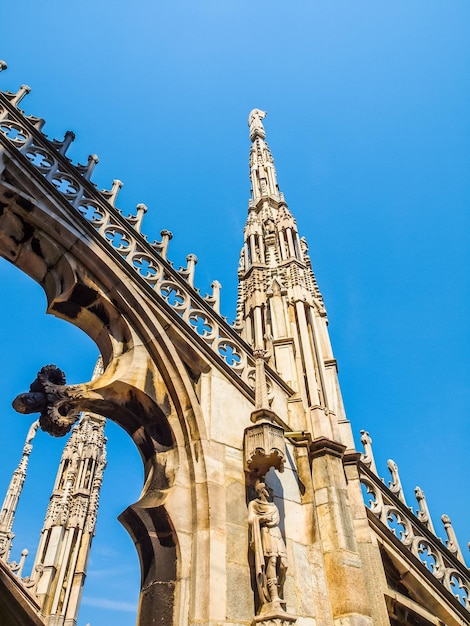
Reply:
x=264 y=448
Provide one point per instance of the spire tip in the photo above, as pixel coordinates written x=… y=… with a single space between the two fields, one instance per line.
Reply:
x=256 y=125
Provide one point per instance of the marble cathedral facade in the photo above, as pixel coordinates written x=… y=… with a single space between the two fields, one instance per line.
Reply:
x=257 y=507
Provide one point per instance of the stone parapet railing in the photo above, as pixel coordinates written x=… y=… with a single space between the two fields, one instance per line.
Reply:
x=444 y=562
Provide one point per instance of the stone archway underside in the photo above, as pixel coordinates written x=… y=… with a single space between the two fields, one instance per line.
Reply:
x=145 y=387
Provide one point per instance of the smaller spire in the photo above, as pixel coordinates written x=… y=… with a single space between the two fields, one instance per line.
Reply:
x=98 y=369
x=262 y=170
x=264 y=444
x=261 y=387
x=12 y=497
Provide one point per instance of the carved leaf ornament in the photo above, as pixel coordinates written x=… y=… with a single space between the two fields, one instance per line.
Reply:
x=53 y=399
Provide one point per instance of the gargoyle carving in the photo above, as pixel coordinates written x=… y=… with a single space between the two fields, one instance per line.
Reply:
x=53 y=399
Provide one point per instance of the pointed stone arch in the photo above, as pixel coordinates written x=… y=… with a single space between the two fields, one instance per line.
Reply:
x=146 y=387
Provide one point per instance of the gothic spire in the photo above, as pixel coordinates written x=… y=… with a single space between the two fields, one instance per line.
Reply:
x=274 y=257
x=69 y=526
x=10 y=504
x=280 y=308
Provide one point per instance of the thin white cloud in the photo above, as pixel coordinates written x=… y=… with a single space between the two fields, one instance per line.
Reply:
x=108 y=572
x=101 y=550
x=112 y=605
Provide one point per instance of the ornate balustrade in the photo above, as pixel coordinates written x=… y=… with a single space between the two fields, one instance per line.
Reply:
x=174 y=288
x=415 y=532
x=29 y=583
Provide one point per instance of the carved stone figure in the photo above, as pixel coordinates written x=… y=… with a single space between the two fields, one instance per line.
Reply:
x=269 y=226
x=269 y=550
x=256 y=125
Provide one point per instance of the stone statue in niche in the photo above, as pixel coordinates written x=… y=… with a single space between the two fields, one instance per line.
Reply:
x=269 y=550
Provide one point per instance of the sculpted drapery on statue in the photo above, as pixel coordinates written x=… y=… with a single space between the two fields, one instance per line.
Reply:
x=269 y=550
x=256 y=125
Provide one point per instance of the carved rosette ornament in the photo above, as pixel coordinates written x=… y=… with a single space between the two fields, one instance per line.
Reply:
x=57 y=403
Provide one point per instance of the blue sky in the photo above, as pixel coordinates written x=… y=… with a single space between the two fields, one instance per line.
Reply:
x=368 y=123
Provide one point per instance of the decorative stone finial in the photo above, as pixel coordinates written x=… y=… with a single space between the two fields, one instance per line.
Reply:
x=20 y=94
x=17 y=568
x=265 y=445
x=64 y=145
x=166 y=236
x=368 y=457
x=112 y=194
x=215 y=298
x=93 y=160
x=451 y=541
x=256 y=125
x=395 y=484
x=423 y=512
x=87 y=170
x=141 y=211
x=191 y=260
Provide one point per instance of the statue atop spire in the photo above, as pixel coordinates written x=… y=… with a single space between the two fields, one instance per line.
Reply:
x=256 y=125
x=262 y=171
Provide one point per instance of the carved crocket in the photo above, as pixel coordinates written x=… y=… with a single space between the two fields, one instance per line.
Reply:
x=53 y=399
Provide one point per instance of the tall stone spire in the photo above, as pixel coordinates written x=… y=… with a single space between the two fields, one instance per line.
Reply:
x=10 y=504
x=281 y=310
x=280 y=307
x=69 y=526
